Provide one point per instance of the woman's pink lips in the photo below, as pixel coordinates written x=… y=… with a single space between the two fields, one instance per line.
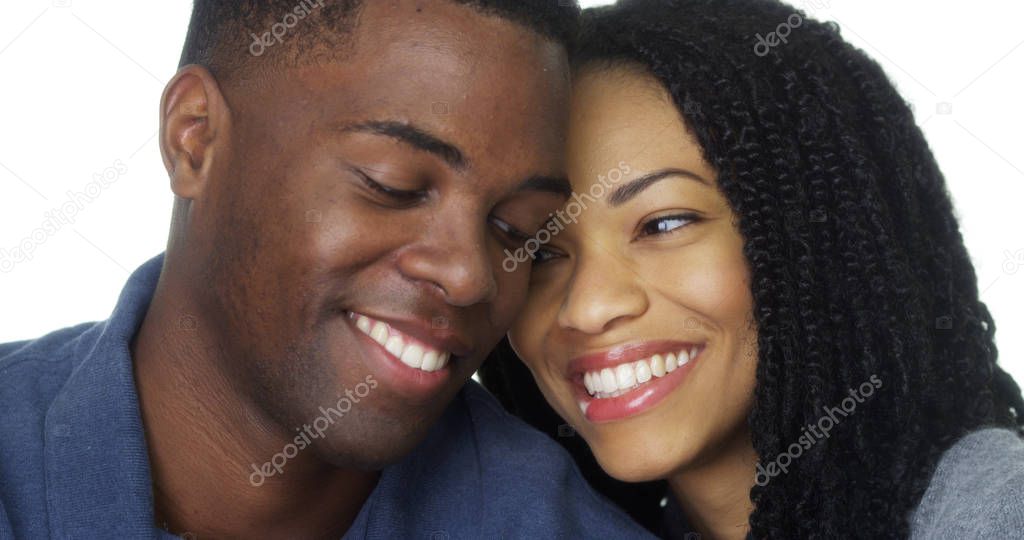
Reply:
x=622 y=354
x=638 y=400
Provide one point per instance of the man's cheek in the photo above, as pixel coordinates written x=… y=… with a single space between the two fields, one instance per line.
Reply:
x=511 y=297
x=343 y=231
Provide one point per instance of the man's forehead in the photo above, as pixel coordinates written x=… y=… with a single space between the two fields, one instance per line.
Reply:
x=456 y=35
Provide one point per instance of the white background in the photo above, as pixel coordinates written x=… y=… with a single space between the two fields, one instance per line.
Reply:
x=81 y=81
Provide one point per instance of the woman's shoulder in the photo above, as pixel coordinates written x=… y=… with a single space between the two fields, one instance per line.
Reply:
x=977 y=490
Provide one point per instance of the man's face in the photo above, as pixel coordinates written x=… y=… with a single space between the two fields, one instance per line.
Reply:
x=381 y=185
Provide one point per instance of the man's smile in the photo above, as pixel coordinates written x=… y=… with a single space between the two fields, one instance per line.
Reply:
x=403 y=347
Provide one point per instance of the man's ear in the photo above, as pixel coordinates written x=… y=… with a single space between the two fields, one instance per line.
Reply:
x=194 y=120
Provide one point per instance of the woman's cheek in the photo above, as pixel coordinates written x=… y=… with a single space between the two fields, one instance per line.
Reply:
x=710 y=278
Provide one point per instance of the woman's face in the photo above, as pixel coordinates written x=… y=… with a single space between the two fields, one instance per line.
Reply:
x=637 y=326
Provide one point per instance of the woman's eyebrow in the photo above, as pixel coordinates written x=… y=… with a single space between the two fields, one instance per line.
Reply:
x=624 y=193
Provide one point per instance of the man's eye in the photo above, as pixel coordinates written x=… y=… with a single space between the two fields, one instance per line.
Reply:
x=667 y=224
x=541 y=253
x=544 y=255
x=399 y=196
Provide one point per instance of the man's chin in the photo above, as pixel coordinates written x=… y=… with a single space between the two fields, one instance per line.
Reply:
x=373 y=449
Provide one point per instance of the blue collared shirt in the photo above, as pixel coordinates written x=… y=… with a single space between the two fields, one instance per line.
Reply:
x=74 y=463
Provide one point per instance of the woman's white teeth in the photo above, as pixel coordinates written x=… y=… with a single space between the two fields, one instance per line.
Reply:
x=612 y=382
x=643 y=371
x=658 y=365
x=608 y=381
x=625 y=375
x=411 y=354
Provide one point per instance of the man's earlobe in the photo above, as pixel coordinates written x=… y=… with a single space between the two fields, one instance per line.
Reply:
x=193 y=114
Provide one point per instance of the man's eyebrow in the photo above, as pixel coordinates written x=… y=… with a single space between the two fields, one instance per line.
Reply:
x=413 y=136
x=558 y=185
x=623 y=194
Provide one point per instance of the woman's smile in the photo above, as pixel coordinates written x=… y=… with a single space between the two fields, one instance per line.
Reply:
x=631 y=378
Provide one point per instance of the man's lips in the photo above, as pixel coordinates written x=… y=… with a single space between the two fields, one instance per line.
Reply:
x=415 y=344
x=411 y=358
x=631 y=378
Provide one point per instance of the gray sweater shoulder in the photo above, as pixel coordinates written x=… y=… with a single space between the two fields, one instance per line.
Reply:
x=977 y=490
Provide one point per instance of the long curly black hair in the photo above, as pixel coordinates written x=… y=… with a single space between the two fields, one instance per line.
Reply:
x=858 y=266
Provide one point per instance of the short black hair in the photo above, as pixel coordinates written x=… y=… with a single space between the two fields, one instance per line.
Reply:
x=221 y=33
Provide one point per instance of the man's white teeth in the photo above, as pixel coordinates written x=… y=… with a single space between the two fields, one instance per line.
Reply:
x=379 y=332
x=432 y=361
x=612 y=382
x=395 y=346
x=411 y=354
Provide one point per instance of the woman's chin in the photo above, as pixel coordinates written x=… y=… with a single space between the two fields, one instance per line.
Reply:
x=627 y=464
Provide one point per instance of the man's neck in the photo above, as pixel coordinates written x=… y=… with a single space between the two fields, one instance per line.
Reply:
x=204 y=437
x=715 y=496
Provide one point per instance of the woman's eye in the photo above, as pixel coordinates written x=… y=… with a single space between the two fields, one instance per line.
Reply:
x=667 y=224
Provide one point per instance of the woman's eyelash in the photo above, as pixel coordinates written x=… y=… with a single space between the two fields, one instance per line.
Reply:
x=661 y=225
